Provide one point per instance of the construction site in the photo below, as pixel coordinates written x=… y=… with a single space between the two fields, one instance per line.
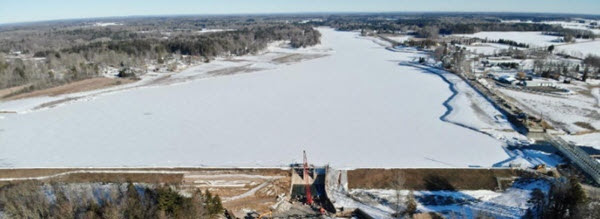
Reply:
x=301 y=190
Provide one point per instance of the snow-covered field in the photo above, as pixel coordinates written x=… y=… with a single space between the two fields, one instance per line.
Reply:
x=354 y=108
x=574 y=25
x=106 y=24
x=591 y=139
x=564 y=111
x=400 y=38
x=487 y=48
x=581 y=48
x=213 y=30
x=534 y=39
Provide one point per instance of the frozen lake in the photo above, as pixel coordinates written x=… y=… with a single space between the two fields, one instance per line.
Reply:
x=354 y=108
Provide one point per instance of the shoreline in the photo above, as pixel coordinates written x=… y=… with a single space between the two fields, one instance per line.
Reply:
x=229 y=66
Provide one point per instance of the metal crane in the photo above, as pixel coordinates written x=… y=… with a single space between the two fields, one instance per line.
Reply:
x=307 y=181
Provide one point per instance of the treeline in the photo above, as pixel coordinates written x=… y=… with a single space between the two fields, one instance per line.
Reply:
x=593 y=61
x=423 y=44
x=426 y=26
x=58 y=68
x=238 y=42
x=449 y=28
x=243 y=41
x=572 y=34
x=120 y=49
x=57 y=200
x=512 y=43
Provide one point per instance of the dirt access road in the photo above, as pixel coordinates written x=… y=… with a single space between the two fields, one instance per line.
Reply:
x=239 y=188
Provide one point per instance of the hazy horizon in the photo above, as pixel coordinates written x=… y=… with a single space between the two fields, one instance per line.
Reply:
x=35 y=10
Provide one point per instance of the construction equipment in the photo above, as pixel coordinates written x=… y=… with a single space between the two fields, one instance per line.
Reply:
x=265 y=215
x=309 y=200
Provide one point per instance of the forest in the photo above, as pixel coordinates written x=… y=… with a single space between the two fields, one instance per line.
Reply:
x=45 y=55
x=431 y=24
x=34 y=199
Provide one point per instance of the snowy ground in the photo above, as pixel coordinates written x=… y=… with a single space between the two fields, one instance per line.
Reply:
x=106 y=24
x=399 y=38
x=534 y=39
x=564 y=111
x=355 y=107
x=530 y=158
x=511 y=203
x=487 y=48
x=581 y=48
x=213 y=30
x=574 y=25
x=591 y=139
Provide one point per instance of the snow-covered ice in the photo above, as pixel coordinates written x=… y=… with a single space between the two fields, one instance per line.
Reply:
x=354 y=108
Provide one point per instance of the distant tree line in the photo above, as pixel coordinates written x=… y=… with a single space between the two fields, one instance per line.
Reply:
x=571 y=34
x=426 y=26
x=55 y=61
x=512 y=43
x=242 y=41
x=423 y=44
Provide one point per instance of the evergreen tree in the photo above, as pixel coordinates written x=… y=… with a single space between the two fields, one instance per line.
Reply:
x=564 y=200
x=537 y=201
x=216 y=207
x=133 y=205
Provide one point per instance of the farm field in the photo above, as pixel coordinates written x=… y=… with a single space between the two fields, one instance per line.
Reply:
x=581 y=48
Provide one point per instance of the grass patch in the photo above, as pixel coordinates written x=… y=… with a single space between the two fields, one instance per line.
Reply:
x=585 y=125
x=428 y=179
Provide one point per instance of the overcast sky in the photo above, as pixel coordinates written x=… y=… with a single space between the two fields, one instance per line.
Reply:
x=35 y=10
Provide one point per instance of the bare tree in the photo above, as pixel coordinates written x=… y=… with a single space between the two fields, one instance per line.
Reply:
x=398 y=185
